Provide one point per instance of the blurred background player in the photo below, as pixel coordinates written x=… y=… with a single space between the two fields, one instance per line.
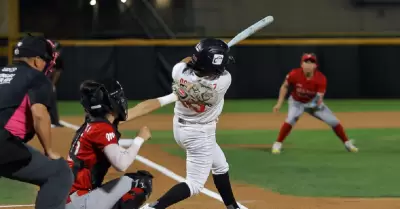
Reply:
x=54 y=77
x=25 y=101
x=95 y=148
x=308 y=89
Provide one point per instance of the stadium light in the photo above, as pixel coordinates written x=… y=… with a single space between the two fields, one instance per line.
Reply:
x=163 y=3
x=123 y=1
x=92 y=2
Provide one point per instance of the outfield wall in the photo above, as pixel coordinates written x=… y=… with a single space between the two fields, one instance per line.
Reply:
x=356 y=68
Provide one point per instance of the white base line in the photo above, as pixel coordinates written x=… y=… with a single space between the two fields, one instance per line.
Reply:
x=15 y=206
x=161 y=169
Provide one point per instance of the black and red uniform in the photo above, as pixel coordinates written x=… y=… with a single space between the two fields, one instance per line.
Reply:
x=90 y=165
x=86 y=157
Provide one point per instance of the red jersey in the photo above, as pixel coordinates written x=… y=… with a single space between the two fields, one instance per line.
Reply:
x=305 y=89
x=86 y=157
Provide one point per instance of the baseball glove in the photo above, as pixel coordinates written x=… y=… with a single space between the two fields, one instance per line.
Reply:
x=313 y=104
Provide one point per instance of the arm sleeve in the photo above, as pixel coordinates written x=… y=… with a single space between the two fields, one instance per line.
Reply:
x=322 y=86
x=40 y=91
x=121 y=158
x=167 y=99
x=103 y=137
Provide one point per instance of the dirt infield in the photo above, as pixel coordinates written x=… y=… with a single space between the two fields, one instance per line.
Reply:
x=249 y=195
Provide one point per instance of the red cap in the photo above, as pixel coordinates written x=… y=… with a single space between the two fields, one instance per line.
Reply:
x=309 y=57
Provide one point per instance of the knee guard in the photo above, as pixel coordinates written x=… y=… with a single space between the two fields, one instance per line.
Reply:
x=195 y=187
x=141 y=189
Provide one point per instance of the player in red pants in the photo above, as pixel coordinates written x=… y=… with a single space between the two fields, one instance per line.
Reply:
x=308 y=89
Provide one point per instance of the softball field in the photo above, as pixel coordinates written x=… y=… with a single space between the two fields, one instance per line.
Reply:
x=313 y=171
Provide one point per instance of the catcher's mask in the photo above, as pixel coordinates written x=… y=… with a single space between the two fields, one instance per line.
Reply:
x=55 y=53
x=211 y=56
x=119 y=102
x=101 y=98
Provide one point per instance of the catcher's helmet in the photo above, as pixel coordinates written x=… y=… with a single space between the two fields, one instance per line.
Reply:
x=101 y=98
x=211 y=56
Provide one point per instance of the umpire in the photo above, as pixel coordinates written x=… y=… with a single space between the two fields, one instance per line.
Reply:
x=24 y=102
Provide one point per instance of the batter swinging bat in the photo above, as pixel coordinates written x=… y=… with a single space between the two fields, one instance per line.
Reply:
x=251 y=30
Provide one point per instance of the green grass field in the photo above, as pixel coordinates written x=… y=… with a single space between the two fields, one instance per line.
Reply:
x=317 y=164
x=14 y=192
x=255 y=106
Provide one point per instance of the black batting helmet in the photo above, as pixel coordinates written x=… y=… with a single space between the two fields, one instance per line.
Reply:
x=101 y=98
x=211 y=56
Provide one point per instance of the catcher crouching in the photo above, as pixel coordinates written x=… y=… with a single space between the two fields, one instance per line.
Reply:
x=95 y=149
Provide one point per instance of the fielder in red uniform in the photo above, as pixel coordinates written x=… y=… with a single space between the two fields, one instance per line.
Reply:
x=95 y=149
x=308 y=89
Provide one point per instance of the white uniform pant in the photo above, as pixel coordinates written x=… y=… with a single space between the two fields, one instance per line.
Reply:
x=202 y=153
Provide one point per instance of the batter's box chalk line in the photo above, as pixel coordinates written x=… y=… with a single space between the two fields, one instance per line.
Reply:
x=161 y=169
x=15 y=206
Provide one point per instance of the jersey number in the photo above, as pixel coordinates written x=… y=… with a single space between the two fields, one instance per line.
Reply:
x=77 y=144
x=137 y=182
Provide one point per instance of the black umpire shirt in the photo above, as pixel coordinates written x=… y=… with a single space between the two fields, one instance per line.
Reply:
x=20 y=87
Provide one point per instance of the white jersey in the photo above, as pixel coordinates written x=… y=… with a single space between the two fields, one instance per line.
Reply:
x=200 y=113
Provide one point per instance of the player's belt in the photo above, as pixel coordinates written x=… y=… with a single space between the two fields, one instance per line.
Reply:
x=182 y=121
